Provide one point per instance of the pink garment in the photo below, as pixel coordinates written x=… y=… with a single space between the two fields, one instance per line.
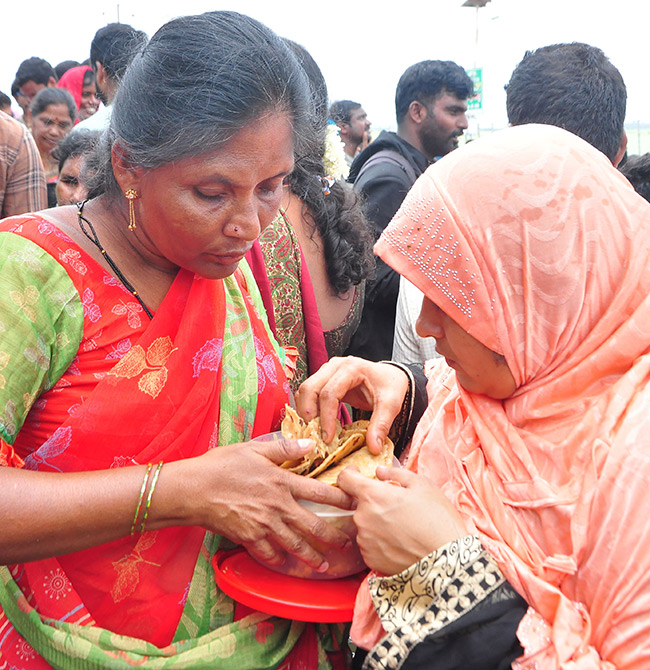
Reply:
x=73 y=81
x=540 y=249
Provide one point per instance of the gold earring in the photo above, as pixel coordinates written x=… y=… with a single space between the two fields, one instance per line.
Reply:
x=131 y=194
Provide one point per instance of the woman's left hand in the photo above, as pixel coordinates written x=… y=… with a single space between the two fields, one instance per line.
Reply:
x=399 y=524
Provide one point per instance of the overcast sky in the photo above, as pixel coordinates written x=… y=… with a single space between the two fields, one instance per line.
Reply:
x=363 y=48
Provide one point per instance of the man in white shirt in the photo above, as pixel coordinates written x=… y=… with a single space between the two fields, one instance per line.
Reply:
x=408 y=346
x=111 y=51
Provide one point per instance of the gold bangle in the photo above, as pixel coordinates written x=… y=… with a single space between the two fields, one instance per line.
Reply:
x=154 y=479
x=141 y=498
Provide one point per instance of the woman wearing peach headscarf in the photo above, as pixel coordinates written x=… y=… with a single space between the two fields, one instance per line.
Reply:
x=534 y=257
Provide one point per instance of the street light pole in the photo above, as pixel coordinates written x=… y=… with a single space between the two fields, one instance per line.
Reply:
x=477 y=4
x=476 y=74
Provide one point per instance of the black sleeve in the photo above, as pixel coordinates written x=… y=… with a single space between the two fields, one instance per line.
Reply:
x=413 y=407
x=382 y=188
x=420 y=397
x=483 y=639
x=382 y=194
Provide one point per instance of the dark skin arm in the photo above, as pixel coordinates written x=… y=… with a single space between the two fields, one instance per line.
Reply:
x=237 y=491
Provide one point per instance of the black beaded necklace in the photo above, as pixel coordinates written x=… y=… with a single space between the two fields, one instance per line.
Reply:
x=92 y=236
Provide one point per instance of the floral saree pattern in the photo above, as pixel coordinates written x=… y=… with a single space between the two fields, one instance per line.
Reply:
x=203 y=372
x=296 y=319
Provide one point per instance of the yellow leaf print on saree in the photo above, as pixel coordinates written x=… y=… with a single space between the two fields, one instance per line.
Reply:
x=27 y=257
x=4 y=361
x=26 y=301
x=128 y=576
x=150 y=364
x=225 y=646
x=38 y=354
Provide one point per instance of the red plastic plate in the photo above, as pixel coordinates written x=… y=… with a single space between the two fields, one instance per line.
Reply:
x=253 y=585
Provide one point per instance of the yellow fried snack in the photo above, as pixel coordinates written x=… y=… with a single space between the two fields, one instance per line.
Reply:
x=326 y=460
x=347 y=446
x=294 y=427
x=361 y=459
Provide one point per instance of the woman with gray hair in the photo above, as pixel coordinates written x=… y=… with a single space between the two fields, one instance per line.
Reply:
x=137 y=360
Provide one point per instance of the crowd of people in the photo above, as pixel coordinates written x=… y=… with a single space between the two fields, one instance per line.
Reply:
x=164 y=295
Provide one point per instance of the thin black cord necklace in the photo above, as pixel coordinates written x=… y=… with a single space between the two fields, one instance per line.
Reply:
x=92 y=236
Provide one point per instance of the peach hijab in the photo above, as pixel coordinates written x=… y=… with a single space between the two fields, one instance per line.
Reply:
x=540 y=249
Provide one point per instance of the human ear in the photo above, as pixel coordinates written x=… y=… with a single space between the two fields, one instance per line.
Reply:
x=127 y=175
x=100 y=75
x=417 y=111
x=621 y=150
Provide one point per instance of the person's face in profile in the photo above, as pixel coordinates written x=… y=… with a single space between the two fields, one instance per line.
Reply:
x=445 y=122
x=68 y=188
x=478 y=369
x=203 y=213
x=358 y=124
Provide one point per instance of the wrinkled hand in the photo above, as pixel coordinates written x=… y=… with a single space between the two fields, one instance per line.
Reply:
x=398 y=525
x=252 y=501
x=366 y=385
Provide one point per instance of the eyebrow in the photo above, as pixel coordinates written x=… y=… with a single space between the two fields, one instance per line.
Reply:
x=218 y=179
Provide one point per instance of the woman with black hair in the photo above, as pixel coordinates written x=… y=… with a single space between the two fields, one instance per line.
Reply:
x=137 y=366
x=80 y=82
x=71 y=152
x=312 y=262
x=53 y=113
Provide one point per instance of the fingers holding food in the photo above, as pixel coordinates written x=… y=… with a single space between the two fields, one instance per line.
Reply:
x=327 y=459
x=366 y=385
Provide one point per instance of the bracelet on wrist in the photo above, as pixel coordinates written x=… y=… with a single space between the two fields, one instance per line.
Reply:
x=141 y=498
x=154 y=481
x=398 y=432
x=146 y=492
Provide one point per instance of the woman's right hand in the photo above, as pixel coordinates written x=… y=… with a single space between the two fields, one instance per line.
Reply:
x=366 y=385
x=237 y=491
x=240 y=492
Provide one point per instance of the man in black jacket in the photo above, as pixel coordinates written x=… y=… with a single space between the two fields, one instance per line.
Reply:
x=430 y=105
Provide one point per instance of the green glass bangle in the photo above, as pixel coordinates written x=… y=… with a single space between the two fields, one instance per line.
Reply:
x=141 y=498
x=154 y=479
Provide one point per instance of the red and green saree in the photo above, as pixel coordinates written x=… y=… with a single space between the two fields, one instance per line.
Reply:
x=88 y=382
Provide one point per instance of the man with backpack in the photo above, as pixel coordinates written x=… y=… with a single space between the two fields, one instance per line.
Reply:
x=430 y=105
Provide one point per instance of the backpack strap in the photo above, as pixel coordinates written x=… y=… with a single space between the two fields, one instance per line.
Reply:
x=392 y=157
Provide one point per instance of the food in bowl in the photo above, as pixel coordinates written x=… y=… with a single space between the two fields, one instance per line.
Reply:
x=326 y=460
